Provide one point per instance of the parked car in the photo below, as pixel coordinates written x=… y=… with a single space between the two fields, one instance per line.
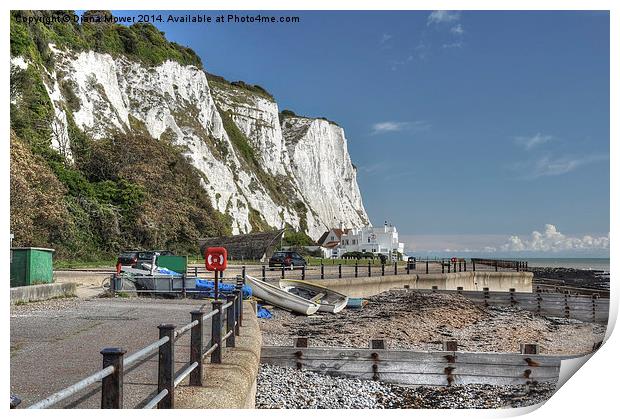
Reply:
x=128 y=258
x=135 y=258
x=147 y=256
x=287 y=259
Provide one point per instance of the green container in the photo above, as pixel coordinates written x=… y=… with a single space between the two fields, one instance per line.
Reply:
x=174 y=263
x=31 y=266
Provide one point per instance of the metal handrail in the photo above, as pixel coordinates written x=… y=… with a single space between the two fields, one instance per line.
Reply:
x=230 y=332
x=144 y=352
x=185 y=328
x=210 y=314
x=210 y=350
x=71 y=390
x=159 y=397
x=228 y=304
x=185 y=373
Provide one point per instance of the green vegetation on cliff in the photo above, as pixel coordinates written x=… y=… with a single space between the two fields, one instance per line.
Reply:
x=114 y=198
x=140 y=41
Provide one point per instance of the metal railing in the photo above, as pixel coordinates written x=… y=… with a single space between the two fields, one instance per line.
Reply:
x=111 y=376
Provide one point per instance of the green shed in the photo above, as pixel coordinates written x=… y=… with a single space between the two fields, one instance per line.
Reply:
x=31 y=266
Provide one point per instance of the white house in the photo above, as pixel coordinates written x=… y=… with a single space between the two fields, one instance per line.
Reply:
x=377 y=240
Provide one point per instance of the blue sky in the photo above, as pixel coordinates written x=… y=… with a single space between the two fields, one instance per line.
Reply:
x=467 y=128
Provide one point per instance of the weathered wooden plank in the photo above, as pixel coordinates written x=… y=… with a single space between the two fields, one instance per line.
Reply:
x=326 y=353
x=366 y=366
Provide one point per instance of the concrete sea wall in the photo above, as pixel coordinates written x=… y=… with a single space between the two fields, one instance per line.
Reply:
x=470 y=281
x=42 y=292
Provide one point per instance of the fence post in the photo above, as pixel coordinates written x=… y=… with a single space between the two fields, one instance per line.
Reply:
x=230 y=320
x=464 y=265
x=112 y=385
x=340 y=270
x=450 y=345
x=473 y=265
x=322 y=270
x=369 y=270
x=195 y=354
x=165 y=376
x=243 y=273
x=427 y=265
x=529 y=348
x=303 y=272
x=282 y=271
x=263 y=273
x=594 y=298
x=518 y=266
x=216 y=333
x=382 y=269
x=239 y=310
x=356 y=268
x=495 y=265
x=449 y=266
x=395 y=268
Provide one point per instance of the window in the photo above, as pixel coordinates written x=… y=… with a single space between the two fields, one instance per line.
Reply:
x=368 y=239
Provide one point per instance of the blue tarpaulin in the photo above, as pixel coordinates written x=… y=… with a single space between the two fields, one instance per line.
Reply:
x=167 y=271
x=208 y=287
x=263 y=313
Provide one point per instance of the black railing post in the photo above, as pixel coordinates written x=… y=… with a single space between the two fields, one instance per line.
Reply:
x=112 y=385
x=195 y=354
x=263 y=273
x=322 y=270
x=369 y=270
x=216 y=333
x=239 y=310
x=460 y=267
x=230 y=321
x=165 y=376
x=443 y=267
x=427 y=265
x=283 y=271
x=340 y=270
x=495 y=265
x=473 y=265
x=356 y=268
x=303 y=272
x=382 y=269
x=449 y=266
x=243 y=273
x=395 y=268
x=464 y=265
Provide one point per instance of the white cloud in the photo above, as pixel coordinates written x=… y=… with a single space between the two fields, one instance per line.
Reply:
x=442 y=16
x=396 y=126
x=547 y=166
x=533 y=141
x=453 y=45
x=552 y=240
x=457 y=30
x=385 y=37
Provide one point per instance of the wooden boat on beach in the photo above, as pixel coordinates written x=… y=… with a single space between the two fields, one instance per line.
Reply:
x=330 y=301
x=281 y=298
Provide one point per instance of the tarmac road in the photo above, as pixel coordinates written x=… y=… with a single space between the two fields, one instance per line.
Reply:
x=56 y=343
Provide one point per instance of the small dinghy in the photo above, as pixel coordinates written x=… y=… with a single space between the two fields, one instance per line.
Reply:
x=281 y=298
x=330 y=301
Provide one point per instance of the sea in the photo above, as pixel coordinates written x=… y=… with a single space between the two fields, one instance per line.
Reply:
x=596 y=264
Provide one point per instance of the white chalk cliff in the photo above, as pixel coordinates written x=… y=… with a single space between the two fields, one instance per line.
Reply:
x=299 y=171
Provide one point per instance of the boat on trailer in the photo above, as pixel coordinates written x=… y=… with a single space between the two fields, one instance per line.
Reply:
x=281 y=298
x=330 y=301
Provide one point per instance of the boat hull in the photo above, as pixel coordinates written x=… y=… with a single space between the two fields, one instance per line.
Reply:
x=331 y=302
x=281 y=298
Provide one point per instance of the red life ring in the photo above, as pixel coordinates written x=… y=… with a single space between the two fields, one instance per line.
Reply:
x=453 y=260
